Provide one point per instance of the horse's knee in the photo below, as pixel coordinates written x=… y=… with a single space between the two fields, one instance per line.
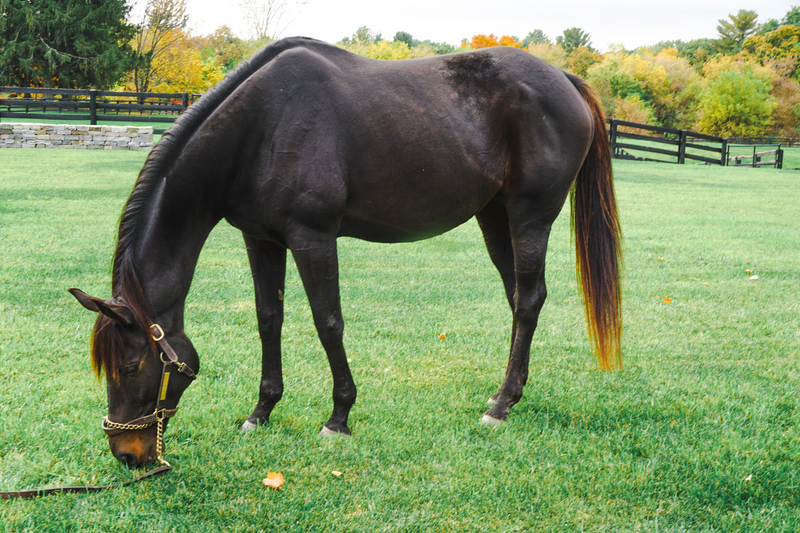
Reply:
x=330 y=329
x=270 y=325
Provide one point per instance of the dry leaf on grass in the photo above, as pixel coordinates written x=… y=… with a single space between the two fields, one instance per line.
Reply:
x=274 y=480
x=336 y=473
x=666 y=300
x=442 y=337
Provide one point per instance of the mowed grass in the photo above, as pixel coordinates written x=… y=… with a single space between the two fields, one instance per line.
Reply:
x=698 y=433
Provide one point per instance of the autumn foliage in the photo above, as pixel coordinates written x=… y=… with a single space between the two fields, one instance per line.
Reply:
x=486 y=41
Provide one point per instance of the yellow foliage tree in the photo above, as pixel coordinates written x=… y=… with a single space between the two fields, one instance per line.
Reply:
x=180 y=68
x=387 y=50
x=486 y=41
x=552 y=53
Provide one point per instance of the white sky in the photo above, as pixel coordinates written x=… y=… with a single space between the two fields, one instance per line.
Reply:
x=626 y=22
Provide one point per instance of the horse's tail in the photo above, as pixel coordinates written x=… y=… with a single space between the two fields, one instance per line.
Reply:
x=595 y=225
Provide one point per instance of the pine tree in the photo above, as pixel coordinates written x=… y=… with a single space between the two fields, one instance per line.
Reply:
x=64 y=43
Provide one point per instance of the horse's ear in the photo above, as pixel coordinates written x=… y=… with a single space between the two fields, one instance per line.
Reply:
x=118 y=312
x=85 y=300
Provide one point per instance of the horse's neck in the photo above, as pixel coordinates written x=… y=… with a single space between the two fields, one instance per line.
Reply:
x=172 y=226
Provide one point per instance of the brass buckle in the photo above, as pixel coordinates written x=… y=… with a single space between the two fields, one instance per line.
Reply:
x=160 y=332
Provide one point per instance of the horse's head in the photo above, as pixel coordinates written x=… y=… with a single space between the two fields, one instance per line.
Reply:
x=147 y=369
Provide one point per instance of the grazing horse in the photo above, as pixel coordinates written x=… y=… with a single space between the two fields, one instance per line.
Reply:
x=307 y=142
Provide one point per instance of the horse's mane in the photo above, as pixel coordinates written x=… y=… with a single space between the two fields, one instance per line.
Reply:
x=125 y=274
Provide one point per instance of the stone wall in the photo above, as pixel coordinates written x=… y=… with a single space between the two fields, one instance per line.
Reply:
x=16 y=135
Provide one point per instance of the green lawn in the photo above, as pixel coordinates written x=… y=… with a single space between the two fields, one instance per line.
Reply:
x=700 y=432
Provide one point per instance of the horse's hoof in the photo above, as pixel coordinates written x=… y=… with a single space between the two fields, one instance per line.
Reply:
x=248 y=426
x=327 y=433
x=491 y=421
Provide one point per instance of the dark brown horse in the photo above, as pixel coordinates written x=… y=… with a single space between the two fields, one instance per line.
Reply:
x=308 y=142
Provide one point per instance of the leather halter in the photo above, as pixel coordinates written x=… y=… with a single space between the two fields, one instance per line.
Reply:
x=115 y=428
x=160 y=414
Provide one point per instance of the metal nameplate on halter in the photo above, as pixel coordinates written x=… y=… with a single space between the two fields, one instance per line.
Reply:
x=164 y=385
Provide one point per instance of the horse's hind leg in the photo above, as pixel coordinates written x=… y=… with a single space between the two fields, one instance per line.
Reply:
x=529 y=241
x=268 y=266
x=316 y=259
x=493 y=221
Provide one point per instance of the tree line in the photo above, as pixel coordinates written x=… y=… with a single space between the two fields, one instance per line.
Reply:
x=743 y=83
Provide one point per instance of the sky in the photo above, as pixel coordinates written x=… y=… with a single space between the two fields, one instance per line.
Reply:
x=609 y=23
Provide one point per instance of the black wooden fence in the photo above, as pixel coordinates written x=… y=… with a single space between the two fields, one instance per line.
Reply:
x=680 y=146
x=92 y=105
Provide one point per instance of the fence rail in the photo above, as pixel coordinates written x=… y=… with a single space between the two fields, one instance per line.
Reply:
x=92 y=105
x=683 y=146
x=764 y=158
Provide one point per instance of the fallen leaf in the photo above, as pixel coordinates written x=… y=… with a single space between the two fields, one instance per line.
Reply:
x=336 y=473
x=442 y=337
x=274 y=480
x=749 y=478
x=666 y=300
x=748 y=271
x=661 y=259
x=753 y=278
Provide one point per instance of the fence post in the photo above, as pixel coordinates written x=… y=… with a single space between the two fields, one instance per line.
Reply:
x=93 y=107
x=682 y=147
x=779 y=158
x=724 y=159
x=184 y=102
x=613 y=133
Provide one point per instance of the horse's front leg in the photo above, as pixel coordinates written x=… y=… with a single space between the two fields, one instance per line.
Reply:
x=268 y=266
x=316 y=259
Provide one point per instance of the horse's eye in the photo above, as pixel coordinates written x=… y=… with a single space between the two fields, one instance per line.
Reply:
x=130 y=370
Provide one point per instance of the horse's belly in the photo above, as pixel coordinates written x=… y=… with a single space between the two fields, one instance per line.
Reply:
x=400 y=215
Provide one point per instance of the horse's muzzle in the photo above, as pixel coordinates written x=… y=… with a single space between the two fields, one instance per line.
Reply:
x=135 y=448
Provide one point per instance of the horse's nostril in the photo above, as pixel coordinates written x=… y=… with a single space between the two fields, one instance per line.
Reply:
x=128 y=459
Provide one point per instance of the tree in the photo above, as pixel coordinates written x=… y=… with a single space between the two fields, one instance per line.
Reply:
x=406 y=38
x=180 y=68
x=792 y=18
x=362 y=36
x=552 y=53
x=157 y=33
x=581 y=59
x=535 y=37
x=573 y=38
x=486 y=41
x=268 y=19
x=64 y=43
x=737 y=100
x=223 y=49
x=733 y=32
x=777 y=45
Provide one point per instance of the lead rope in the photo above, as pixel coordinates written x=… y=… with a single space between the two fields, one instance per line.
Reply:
x=158 y=335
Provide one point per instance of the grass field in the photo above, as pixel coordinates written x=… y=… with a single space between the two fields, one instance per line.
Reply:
x=700 y=432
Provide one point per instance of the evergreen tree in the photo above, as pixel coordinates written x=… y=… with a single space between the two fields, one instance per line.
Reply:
x=733 y=32
x=64 y=43
x=574 y=38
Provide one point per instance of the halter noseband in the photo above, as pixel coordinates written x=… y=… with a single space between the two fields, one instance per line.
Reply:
x=160 y=414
